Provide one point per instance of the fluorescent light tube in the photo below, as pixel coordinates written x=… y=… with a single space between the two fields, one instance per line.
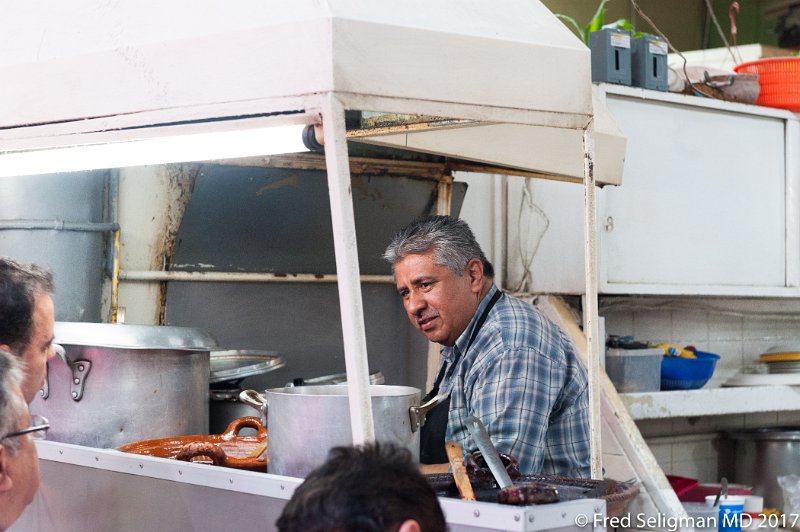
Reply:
x=160 y=150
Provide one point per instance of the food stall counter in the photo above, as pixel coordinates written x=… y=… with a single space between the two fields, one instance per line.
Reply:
x=85 y=488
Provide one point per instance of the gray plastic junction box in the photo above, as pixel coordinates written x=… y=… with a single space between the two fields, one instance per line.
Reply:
x=649 y=62
x=611 y=56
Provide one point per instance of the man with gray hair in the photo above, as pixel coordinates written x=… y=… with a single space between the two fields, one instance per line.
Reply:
x=27 y=319
x=19 y=461
x=502 y=360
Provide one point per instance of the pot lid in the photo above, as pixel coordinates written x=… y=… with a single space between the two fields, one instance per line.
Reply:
x=132 y=336
x=236 y=364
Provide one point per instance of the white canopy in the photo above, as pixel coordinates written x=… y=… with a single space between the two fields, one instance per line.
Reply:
x=90 y=65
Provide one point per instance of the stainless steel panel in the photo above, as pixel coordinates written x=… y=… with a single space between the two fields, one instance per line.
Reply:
x=303 y=324
x=75 y=258
x=278 y=220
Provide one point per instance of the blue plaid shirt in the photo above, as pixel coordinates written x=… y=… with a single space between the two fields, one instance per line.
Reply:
x=522 y=379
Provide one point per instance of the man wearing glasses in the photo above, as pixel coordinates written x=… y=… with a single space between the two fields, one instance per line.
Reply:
x=19 y=462
x=27 y=320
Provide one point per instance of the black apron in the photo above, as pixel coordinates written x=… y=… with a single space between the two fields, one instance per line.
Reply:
x=431 y=439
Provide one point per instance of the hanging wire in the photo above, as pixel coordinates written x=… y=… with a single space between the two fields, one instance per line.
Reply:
x=660 y=33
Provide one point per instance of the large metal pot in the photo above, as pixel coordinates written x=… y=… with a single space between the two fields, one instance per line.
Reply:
x=305 y=422
x=120 y=383
x=762 y=455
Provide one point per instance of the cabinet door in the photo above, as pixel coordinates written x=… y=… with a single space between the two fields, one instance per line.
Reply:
x=702 y=202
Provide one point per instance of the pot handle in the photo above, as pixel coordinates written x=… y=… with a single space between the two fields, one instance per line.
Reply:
x=80 y=370
x=251 y=422
x=257 y=401
x=418 y=413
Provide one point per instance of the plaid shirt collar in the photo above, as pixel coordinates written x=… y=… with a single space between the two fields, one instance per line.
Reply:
x=461 y=345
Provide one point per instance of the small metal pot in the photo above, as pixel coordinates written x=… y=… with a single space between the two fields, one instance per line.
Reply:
x=224 y=407
x=305 y=422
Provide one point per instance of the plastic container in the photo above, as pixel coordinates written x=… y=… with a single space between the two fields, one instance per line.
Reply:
x=634 y=370
x=779 y=78
x=731 y=508
x=678 y=373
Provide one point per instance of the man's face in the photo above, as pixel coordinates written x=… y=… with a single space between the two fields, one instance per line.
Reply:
x=40 y=348
x=19 y=473
x=439 y=303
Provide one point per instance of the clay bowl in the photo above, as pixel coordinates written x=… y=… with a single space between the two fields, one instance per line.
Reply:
x=228 y=449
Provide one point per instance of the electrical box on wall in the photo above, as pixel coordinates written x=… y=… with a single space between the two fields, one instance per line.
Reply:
x=611 y=56
x=649 y=62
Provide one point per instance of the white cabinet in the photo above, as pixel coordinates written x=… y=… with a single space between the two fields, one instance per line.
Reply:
x=708 y=205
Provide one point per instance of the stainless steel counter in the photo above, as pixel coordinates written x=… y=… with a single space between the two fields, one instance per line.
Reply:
x=98 y=490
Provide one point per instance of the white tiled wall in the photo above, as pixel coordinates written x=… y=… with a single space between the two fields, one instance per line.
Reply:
x=737 y=330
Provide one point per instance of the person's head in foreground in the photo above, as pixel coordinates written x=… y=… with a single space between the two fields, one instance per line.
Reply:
x=371 y=488
x=19 y=462
x=27 y=319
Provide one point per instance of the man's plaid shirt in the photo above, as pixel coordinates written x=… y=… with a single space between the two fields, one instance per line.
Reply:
x=523 y=380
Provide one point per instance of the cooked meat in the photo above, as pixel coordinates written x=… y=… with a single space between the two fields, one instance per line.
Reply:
x=479 y=471
x=528 y=493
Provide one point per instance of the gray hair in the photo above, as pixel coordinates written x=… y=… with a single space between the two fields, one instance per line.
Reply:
x=19 y=286
x=11 y=404
x=451 y=239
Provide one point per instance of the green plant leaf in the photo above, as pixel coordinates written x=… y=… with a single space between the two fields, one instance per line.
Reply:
x=597 y=20
x=621 y=23
x=574 y=23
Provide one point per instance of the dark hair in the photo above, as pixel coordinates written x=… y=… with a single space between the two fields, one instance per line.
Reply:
x=19 y=286
x=451 y=239
x=371 y=488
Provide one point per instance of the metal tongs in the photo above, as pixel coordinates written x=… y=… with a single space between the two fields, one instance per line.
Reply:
x=489 y=452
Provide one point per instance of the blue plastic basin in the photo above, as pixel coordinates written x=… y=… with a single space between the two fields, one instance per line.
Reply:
x=687 y=373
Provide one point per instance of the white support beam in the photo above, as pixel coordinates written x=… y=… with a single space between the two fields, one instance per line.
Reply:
x=590 y=318
x=347 y=269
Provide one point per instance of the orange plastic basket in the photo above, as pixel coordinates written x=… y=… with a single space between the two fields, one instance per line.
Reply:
x=779 y=78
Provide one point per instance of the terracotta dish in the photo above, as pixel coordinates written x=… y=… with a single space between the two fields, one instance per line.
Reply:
x=226 y=449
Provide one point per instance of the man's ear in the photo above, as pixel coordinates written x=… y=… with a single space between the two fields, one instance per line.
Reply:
x=409 y=525
x=476 y=276
x=5 y=480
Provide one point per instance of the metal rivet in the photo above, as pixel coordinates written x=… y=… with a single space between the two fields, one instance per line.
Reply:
x=563 y=515
x=516 y=517
x=76 y=381
x=476 y=513
x=80 y=367
x=41 y=392
x=74 y=395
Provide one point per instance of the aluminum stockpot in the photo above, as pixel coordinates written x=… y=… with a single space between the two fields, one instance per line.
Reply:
x=116 y=384
x=305 y=422
x=764 y=454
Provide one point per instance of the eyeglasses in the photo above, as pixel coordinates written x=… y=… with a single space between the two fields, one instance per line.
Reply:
x=36 y=429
